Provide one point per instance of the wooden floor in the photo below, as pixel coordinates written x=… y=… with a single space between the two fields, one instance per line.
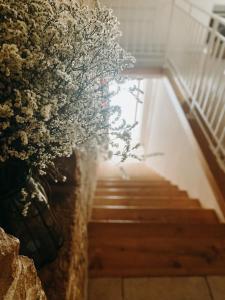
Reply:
x=145 y=226
x=155 y=288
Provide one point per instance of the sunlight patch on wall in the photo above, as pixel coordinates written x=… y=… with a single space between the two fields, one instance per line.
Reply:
x=131 y=109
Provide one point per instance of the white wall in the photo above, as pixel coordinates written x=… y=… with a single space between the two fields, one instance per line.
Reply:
x=208 y=4
x=206 y=8
x=170 y=134
x=144 y=24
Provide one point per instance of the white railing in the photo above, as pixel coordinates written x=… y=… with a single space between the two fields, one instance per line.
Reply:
x=196 y=58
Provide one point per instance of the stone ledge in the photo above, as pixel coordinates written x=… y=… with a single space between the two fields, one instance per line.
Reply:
x=19 y=280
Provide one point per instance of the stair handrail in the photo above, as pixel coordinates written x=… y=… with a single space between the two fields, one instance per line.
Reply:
x=196 y=58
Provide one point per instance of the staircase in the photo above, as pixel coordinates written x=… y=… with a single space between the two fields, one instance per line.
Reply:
x=145 y=226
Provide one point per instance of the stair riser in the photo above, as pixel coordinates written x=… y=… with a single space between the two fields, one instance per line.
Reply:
x=157 y=257
x=137 y=230
x=150 y=272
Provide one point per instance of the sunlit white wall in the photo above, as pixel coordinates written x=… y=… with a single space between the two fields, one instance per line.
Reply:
x=169 y=133
x=208 y=4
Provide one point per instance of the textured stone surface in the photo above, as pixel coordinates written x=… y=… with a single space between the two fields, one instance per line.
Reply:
x=18 y=277
x=66 y=277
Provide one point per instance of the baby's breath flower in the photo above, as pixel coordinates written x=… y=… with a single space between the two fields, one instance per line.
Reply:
x=56 y=64
x=23 y=137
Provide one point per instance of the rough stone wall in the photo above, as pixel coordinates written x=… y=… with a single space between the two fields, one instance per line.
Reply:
x=18 y=277
x=87 y=174
x=66 y=277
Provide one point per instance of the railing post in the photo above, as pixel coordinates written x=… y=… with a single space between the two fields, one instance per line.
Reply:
x=191 y=99
x=199 y=60
x=173 y=2
x=199 y=91
x=219 y=148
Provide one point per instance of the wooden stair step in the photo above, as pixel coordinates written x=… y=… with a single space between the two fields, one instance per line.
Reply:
x=118 y=172
x=196 y=216
x=150 y=203
x=140 y=229
x=146 y=226
x=148 y=249
x=140 y=188
x=118 y=261
x=130 y=183
x=140 y=192
x=143 y=197
x=149 y=177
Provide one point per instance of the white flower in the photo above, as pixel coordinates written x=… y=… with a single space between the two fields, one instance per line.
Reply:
x=56 y=63
x=23 y=137
x=24 y=193
x=46 y=112
x=5 y=111
x=4 y=125
x=20 y=119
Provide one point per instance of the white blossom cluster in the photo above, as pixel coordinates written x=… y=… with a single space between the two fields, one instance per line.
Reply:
x=56 y=61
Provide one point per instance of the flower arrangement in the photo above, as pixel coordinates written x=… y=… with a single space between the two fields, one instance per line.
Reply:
x=56 y=62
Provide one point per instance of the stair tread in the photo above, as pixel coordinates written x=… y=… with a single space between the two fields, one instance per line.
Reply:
x=129 y=183
x=155 y=215
x=138 y=187
x=143 y=192
x=143 y=197
x=138 y=191
x=160 y=203
x=152 y=177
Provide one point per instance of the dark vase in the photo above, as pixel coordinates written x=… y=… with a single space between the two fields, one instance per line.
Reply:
x=37 y=230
